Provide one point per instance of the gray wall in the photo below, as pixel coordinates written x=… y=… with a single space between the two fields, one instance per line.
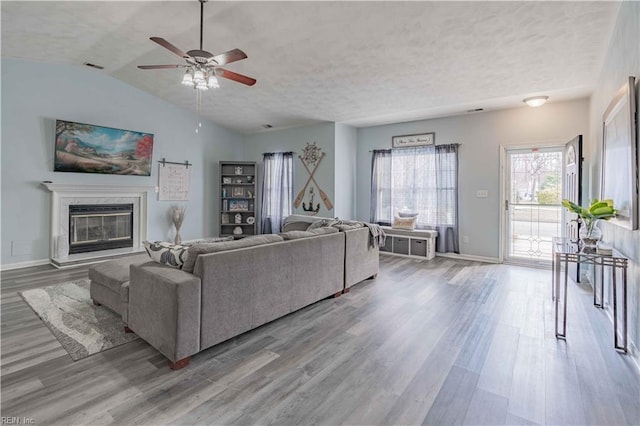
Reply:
x=34 y=95
x=346 y=143
x=480 y=136
x=295 y=139
x=622 y=60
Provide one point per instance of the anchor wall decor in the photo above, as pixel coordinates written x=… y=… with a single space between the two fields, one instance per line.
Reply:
x=310 y=209
x=312 y=156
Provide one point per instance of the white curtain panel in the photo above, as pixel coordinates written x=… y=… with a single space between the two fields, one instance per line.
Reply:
x=277 y=190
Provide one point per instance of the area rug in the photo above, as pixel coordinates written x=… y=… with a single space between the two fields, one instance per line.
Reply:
x=82 y=328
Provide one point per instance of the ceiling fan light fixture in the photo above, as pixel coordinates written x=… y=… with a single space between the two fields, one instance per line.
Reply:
x=212 y=82
x=198 y=76
x=202 y=85
x=535 y=101
x=187 y=79
x=201 y=69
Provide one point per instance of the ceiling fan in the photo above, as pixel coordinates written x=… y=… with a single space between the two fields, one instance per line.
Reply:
x=202 y=67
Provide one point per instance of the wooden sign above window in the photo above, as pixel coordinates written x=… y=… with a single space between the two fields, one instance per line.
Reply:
x=406 y=141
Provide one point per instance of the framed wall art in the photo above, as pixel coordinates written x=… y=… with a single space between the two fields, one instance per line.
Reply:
x=87 y=148
x=406 y=141
x=619 y=156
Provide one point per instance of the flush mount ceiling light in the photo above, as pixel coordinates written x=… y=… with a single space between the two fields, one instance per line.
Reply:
x=535 y=101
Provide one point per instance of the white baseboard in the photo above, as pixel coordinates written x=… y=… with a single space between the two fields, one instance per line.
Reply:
x=27 y=264
x=470 y=257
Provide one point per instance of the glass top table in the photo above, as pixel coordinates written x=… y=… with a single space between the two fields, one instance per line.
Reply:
x=567 y=251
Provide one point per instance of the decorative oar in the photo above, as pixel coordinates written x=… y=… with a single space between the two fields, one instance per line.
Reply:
x=298 y=200
x=323 y=196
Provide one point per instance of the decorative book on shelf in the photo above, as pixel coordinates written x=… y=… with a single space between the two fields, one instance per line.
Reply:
x=237 y=216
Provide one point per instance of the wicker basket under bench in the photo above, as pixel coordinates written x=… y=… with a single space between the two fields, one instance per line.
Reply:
x=417 y=243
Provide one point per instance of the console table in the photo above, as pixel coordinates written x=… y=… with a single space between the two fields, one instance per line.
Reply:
x=566 y=251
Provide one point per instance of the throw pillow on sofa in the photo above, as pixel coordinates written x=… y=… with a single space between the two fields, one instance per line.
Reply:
x=299 y=222
x=198 y=249
x=323 y=223
x=294 y=235
x=404 y=223
x=324 y=231
x=345 y=227
x=295 y=226
x=209 y=240
x=173 y=255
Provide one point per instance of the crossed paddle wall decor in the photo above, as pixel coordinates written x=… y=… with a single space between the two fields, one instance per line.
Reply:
x=311 y=157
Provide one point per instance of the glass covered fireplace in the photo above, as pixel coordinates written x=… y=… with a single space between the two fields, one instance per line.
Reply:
x=94 y=227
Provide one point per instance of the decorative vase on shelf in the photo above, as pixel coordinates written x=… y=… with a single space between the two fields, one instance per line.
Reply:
x=178 y=238
x=589 y=233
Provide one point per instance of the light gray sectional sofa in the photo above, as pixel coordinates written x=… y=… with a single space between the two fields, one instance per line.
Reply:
x=230 y=292
x=228 y=288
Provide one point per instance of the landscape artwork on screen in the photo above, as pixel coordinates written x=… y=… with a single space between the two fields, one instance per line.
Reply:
x=86 y=148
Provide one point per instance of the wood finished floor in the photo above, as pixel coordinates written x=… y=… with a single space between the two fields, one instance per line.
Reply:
x=442 y=342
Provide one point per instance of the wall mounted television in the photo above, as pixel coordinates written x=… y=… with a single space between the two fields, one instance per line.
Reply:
x=87 y=148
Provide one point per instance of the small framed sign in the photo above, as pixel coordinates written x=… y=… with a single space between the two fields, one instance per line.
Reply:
x=406 y=141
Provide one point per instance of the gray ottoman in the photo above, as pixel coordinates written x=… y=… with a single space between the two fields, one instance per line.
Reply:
x=110 y=283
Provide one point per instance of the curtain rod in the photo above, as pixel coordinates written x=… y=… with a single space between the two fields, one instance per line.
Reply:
x=271 y=153
x=389 y=149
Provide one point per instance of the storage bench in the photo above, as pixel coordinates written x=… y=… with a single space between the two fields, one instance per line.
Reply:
x=418 y=243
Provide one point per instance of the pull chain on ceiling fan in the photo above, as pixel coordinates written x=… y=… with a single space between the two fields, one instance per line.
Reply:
x=202 y=68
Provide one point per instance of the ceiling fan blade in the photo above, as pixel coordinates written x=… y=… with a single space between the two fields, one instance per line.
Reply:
x=228 y=57
x=158 y=67
x=164 y=43
x=235 y=76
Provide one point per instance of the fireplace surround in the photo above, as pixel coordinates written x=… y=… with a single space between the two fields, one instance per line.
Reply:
x=66 y=195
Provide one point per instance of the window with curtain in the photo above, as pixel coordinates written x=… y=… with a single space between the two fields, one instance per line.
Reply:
x=423 y=180
x=277 y=190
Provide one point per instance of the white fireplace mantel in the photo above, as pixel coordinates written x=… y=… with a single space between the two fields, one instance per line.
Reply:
x=74 y=187
x=65 y=194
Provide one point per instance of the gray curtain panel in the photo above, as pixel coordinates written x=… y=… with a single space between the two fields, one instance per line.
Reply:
x=446 y=172
x=277 y=190
x=423 y=180
x=380 y=205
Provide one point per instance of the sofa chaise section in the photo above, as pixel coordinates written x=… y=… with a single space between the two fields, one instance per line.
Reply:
x=110 y=283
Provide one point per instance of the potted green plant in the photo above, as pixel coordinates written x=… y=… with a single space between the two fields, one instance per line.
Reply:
x=590 y=234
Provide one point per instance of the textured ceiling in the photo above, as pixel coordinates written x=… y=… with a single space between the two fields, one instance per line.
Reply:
x=361 y=63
